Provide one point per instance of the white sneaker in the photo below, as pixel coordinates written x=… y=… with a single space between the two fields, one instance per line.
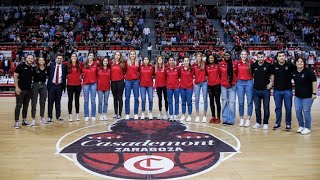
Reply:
x=150 y=116
x=93 y=118
x=241 y=122
x=265 y=127
x=77 y=117
x=197 y=119
x=105 y=117
x=86 y=119
x=127 y=117
x=182 y=118
x=204 y=119
x=175 y=118
x=256 y=126
x=300 y=129
x=70 y=118
x=33 y=123
x=171 y=118
x=306 y=131
x=43 y=121
x=142 y=116
x=136 y=117
x=247 y=124
x=165 y=116
x=101 y=117
x=159 y=116
x=188 y=118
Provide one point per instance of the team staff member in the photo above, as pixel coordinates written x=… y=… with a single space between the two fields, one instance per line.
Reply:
x=214 y=88
x=132 y=83
x=74 y=84
x=244 y=87
x=103 y=88
x=39 y=88
x=228 y=74
x=57 y=72
x=172 y=74
x=263 y=81
x=282 y=72
x=305 y=93
x=22 y=82
x=200 y=83
x=118 y=70
x=146 y=86
x=161 y=86
x=186 y=88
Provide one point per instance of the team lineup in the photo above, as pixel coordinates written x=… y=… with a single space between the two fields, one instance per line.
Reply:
x=220 y=78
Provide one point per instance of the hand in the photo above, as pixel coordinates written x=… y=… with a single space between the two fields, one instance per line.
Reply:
x=269 y=86
x=18 y=91
x=314 y=96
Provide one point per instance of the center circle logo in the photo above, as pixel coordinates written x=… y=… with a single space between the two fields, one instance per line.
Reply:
x=148 y=149
x=149 y=164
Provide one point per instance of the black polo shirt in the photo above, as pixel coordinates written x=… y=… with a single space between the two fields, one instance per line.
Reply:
x=261 y=75
x=39 y=75
x=303 y=82
x=25 y=76
x=282 y=76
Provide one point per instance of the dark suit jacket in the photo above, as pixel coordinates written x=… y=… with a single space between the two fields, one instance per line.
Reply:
x=50 y=72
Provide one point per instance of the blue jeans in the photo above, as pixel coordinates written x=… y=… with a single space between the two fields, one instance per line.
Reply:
x=245 y=87
x=92 y=89
x=103 y=97
x=186 y=98
x=197 y=88
x=303 y=111
x=263 y=95
x=228 y=97
x=143 y=91
x=175 y=93
x=133 y=84
x=279 y=97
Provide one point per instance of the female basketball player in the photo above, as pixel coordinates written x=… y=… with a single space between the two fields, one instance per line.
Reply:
x=186 y=88
x=172 y=74
x=161 y=86
x=103 y=88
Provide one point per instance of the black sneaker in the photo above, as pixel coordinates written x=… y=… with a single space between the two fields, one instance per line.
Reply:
x=16 y=125
x=25 y=123
x=276 y=127
x=288 y=128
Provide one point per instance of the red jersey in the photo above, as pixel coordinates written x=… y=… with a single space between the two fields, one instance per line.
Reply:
x=74 y=77
x=90 y=74
x=103 y=79
x=117 y=73
x=146 y=73
x=172 y=78
x=160 y=78
x=199 y=75
x=132 y=72
x=243 y=72
x=269 y=60
x=186 y=78
x=213 y=74
x=224 y=80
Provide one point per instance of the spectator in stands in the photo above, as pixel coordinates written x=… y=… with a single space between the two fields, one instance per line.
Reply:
x=6 y=65
x=149 y=49
x=146 y=32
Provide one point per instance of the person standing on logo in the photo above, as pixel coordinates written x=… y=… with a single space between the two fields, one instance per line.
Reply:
x=228 y=75
x=39 y=87
x=132 y=83
x=103 y=88
x=89 y=73
x=305 y=93
x=118 y=70
x=244 y=87
x=200 y=82
x=74 y=84
x=173 y=86
x=146 y=86
x=214 y=87
x=22 y=83
x=57 y=72
x=161 y=86
x=282 y=72
x=186 y=90
x=263 y=81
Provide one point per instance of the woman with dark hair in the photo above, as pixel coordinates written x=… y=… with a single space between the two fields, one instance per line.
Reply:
x=161 y=86
x=103 y=88
x=305 y=93
x=132 y=83
x=90 y=86
x=118 y=70
x=173 y=86
x=186 y=88
x=39 y=87
x=244 y=87
x=74 y=84
x=146 y=86
x=214 y=88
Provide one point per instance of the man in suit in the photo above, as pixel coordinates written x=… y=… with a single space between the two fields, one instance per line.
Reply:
x=57 y=72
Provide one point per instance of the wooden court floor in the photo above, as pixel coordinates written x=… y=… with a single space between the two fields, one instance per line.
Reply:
x=30 y=152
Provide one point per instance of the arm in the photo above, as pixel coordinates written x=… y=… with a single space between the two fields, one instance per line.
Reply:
x=17 y=89
x=314 y=90
x=270 y=85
